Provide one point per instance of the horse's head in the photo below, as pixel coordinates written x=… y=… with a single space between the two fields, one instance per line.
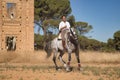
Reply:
x=73 y=37
x=73 y=33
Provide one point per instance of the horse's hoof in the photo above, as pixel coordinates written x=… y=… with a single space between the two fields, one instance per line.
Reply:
x=65 y=65
x=80 y=69
x=68 y=69
x=58 y=69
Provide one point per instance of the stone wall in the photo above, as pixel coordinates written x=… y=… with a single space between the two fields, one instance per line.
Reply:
x=18 y=23
x=0 y=23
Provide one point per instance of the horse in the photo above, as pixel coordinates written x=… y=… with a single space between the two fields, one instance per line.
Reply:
x=56 y=46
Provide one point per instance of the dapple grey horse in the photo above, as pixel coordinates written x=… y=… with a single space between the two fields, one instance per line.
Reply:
x=56 y=46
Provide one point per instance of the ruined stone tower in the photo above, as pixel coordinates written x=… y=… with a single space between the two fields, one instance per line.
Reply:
x=17 y=20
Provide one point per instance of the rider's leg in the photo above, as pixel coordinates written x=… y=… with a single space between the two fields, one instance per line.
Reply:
x=59 y=36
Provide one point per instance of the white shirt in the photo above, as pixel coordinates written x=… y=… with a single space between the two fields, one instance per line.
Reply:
x=63 y=24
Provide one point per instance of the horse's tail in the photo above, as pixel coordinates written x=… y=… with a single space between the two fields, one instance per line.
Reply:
x=48 y=49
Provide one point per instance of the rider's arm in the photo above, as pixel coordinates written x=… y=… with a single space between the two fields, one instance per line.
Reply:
x=62 y=28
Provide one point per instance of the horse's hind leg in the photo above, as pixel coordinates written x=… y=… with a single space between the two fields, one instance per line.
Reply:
x=54 y=60
x=60 y=58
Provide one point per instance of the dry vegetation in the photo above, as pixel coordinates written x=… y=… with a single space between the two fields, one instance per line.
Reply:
x=35 y=66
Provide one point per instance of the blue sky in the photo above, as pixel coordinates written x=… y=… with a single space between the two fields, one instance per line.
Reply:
x=103 y=15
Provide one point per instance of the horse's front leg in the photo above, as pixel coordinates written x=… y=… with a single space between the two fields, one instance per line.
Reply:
x=54 y=60
x=60 y=58
x=68 y=63
x=78 y=59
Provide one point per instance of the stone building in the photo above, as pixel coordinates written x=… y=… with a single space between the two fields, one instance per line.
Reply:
x=17 y=21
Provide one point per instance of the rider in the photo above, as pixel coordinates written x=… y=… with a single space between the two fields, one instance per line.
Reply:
x=64 y=24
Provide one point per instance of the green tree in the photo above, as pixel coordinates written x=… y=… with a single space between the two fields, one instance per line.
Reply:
x=71 y=20
x=89 y=44
x=83 y=27
x=110 y=43
x=38 y=40
x=83 y=42
x=117 y=40
x=94 y=45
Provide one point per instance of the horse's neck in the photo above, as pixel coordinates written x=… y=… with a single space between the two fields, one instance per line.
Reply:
x=73 y=41
x=65 y=33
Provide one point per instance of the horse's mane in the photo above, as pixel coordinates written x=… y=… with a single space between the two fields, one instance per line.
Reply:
x=73 y=38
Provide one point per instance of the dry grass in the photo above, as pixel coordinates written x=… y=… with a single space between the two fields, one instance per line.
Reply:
x=100 y=57
x=40 y=56
x=35 y=66
x=22 y=57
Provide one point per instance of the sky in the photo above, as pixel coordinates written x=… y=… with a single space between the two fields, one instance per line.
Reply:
x=103 y=15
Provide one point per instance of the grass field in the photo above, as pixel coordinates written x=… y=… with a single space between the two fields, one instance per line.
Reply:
x=35 y=66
